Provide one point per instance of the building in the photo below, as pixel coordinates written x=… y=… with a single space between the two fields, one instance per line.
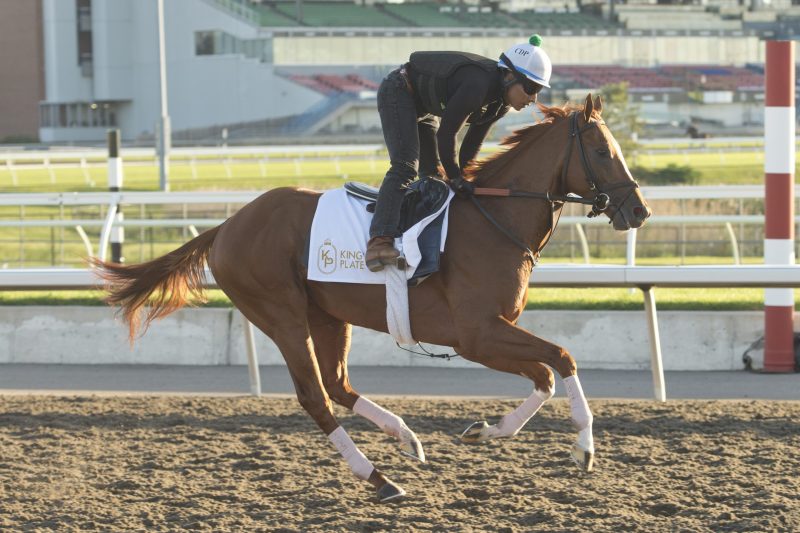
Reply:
x=21 y=70
x=102 y=69
x=287 y=70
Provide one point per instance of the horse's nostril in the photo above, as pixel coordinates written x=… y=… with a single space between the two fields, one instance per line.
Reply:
x=640 y=213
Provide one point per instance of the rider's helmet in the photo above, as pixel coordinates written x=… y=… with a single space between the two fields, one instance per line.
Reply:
x=529 y=63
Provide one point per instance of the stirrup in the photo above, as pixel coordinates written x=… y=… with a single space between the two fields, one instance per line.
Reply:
x=376 y=265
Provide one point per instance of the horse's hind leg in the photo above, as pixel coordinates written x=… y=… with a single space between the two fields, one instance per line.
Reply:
x=511 y=423
x=288 y=327
x=331 y=345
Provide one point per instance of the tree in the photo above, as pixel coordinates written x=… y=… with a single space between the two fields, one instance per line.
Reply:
x=622 y=117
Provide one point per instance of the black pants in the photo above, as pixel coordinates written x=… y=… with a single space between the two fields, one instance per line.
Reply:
x=411 y=141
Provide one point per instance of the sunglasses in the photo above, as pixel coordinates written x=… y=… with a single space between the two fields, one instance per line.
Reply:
x=529 y=86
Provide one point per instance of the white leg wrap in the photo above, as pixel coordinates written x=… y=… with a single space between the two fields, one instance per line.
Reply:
x=581 y=415
x=392 y=425
x=359 y=464
x=389 y=422
x=511 y=423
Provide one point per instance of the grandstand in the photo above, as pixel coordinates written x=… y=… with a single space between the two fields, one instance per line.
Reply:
x=598 y=76
x=340 y=49
x=330 y=84
x=346 y=14
x=281 y=14
x=292 y=68
x=716 y=78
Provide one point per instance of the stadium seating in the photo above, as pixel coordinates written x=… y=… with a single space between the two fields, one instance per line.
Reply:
x=271 y=17
x=345 y=14
x=333 y=84
x=715 y=78
x=707 y=78
x=421 y=14
x=482 y=17
x=597 y=76
x=561 y=21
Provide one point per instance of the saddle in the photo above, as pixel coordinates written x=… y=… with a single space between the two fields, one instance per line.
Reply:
x=423 y=198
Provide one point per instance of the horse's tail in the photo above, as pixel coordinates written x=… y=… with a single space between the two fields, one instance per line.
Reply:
x=167 y=283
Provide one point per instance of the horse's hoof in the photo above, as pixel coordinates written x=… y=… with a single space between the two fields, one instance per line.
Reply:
x=411 y=446
x=583 y=458
x=474 y=433
x=390 y=492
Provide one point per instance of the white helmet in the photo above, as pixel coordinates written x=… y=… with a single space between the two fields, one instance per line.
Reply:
x=530 y=60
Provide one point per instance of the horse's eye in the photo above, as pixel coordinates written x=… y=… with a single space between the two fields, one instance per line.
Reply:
x=602 y=151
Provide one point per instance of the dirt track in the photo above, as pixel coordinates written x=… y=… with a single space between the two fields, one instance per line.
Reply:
x=243 y=464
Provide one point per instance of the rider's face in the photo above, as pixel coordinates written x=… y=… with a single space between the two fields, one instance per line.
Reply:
x=517 y=98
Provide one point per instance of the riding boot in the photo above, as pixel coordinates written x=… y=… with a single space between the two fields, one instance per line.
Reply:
x=381 y=252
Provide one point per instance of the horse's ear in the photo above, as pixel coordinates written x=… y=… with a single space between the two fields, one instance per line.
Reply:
x=598 y=104
x=588 y=107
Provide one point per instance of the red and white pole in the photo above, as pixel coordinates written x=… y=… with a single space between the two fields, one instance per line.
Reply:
x=779 y=161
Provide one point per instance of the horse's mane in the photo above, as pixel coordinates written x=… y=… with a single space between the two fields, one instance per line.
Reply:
x=519 y=138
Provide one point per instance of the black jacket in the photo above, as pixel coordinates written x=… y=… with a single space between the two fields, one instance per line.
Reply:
x=460 y=88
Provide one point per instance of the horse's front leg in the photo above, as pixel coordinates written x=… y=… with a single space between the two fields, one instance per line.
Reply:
x=499 y=339
x=511 y=423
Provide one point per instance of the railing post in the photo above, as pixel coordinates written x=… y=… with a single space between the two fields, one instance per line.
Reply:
x=656 y=362
x=779 y=162
x=115 y=175
x=584 y=243
x=252 y=357
x=630 y=251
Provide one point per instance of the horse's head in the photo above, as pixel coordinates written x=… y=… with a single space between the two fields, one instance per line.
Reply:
x=595 y=168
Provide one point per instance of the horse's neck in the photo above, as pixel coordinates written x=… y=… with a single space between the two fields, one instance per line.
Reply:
x=531 y=165
x=535 y=168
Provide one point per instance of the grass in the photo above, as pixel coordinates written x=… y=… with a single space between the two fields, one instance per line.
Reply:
x=613 y=299
x=715 y=168
x=538 y=298
x=314 y=174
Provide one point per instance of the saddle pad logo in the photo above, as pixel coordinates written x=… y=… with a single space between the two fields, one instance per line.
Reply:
x=326 y=257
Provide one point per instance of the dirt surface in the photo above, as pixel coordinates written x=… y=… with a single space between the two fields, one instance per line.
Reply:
x=246 y=464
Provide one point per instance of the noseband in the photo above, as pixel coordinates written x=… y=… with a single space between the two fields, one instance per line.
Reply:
x=600 y=203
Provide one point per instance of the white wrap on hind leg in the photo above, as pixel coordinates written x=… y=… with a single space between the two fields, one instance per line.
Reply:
x=580 y=413
x=358 y=462
x=392 y=425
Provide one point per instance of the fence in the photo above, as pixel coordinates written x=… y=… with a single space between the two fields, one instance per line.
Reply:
x=102 y=204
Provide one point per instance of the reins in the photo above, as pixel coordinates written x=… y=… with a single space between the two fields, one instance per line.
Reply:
x=600 y=202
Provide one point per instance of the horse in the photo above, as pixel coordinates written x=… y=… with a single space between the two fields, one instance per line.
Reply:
x=695 y=133
x=471 y=304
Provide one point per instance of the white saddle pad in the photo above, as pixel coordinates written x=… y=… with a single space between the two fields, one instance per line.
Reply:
x=339 y=235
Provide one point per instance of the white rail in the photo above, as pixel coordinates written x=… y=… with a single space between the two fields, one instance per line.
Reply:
x=719 y=192
x=101 y=153
x=112 y=199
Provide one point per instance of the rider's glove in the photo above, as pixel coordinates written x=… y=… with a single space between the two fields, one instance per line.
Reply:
x=462 y=186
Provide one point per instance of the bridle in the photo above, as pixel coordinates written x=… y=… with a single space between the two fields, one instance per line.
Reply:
x=600 y=203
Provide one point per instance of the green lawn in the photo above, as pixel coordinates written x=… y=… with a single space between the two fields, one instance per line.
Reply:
x=715 y=167
x=45 y=246
x=538 y=298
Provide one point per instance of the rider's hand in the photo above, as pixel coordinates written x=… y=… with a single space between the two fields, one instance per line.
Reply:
x=462 y=186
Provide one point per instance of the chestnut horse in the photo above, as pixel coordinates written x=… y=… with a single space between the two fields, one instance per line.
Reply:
x=472 y=304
